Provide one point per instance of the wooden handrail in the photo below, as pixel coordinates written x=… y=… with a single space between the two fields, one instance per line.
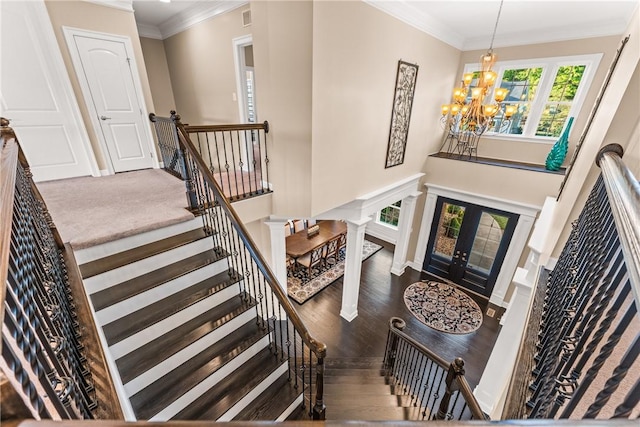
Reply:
x=455 y=375
x=9 y=153
x=316 y=346
x=623 y=190
x=230 y=127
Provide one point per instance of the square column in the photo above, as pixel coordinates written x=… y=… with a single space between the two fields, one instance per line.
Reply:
x=352 y=268
x=405 y=222
x=278 y=250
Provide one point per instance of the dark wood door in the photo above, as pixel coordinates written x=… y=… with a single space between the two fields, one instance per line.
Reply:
x=467 y=243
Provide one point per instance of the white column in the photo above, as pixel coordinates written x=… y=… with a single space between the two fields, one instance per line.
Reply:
x=405 y=223
x=493 y=386
x=352 y=268
x=278 y=250
x=425 y=230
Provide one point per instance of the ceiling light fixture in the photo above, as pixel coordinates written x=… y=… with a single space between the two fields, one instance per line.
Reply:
x=468 y=116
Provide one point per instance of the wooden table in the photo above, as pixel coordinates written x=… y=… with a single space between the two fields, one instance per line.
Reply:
x=298 y=244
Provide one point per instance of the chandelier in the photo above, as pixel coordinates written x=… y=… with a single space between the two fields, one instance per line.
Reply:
x=468 y=117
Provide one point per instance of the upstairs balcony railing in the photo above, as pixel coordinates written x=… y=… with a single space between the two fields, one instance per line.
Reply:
x=579 y=355
x=438 y=390
x=235 y=155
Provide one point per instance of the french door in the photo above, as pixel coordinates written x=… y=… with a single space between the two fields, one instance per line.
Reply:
x=467 y=243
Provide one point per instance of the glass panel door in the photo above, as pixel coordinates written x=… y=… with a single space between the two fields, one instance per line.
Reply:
x=468 y=243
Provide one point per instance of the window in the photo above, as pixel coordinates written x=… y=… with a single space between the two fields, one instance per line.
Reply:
x=390 y=214
x=546 y=92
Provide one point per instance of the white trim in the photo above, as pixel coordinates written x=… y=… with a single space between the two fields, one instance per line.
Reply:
x=551 y=263
x=69 y=34
x=114 y=4
x=55 y=63
x=239 y=62
x=199 y=12
x=518 y=240
x=149 y=31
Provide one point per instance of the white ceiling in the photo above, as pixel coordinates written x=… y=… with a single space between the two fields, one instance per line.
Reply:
x=465 y=24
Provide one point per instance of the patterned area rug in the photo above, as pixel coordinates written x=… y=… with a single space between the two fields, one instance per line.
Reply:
x=443 y=307
x=301 y=287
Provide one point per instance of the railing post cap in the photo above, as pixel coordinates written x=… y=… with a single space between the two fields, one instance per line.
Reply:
x=609 y=148
x=4 y=122
x=398 y=323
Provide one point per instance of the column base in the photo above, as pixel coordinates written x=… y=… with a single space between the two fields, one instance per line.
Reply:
x=348 y=316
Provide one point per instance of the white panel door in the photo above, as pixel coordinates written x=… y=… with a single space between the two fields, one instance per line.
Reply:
x=108 y=74
x=36 y=95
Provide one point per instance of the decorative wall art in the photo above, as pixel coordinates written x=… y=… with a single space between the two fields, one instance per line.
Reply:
x=401 y=113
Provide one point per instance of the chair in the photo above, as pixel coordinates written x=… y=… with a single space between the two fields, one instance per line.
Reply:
x=311 y=259
x=287 y=229
x=342 y=242
x=331 y=249
x=298 y=225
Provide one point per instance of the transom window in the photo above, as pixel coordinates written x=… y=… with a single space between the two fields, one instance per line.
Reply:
x=545 y=91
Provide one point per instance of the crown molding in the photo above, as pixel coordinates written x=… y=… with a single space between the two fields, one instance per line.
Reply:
x=547 y=35
x=197 y=13
x=407 y=13
x=115 y=4
x=149 y=31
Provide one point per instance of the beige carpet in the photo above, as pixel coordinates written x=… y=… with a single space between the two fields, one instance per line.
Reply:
x=88 y=211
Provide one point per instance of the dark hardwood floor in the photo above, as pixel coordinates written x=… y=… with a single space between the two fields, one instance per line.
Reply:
x=381 y=297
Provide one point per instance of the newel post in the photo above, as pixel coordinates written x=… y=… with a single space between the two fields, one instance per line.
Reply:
x=192 y=199
x=392 y=345
x=319 y=410
x=456 y=369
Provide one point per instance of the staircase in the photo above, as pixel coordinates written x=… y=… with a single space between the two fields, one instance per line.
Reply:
x=182 y=335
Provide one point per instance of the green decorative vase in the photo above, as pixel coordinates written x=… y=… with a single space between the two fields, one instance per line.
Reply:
x=559 y=150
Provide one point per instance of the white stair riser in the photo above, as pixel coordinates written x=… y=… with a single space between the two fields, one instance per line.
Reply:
x=187 y=353
x=294 y=405
x=157 y=293
x=197 y=391
x=130 y=271
x=255 y=392
x=158 y=329
x=93 y=253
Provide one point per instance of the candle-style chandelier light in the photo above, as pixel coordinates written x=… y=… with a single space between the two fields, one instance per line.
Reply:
x=468 y=117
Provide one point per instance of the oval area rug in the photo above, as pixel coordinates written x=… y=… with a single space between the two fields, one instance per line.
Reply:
x=443 y=307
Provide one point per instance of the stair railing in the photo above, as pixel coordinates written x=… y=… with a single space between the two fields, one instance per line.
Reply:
x=43 y=352
x=289 y=338
x=437 y=387
x=583 y=335
x=235 y=154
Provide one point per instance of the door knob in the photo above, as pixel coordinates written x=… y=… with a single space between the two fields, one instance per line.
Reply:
x=105 y=118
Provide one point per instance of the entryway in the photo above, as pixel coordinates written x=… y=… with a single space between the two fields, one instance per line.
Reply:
x=467 y=243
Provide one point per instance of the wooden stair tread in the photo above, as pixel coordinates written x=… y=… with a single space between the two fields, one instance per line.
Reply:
x=159 y=394
x=220 y=398
x=272 y=402
x=138 y=320
x=137 y=285
x=368 y=413
x=356 y=400
x=353 y=372
x=145 y=357
x=120 y=259
x=352 y=379
x=354 y=363
x=346 y=389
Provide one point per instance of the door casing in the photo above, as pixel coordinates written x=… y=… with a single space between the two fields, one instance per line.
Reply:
x=69 y=33
x=521 y=234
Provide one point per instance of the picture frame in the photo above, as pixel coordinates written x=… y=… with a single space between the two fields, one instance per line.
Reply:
x=406 y=77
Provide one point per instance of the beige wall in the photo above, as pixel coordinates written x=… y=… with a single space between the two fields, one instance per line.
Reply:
x=93 y=17
x=282 y=48
x=202 y=69
x=536 y=152
x=356 y=49
x=158 y=74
